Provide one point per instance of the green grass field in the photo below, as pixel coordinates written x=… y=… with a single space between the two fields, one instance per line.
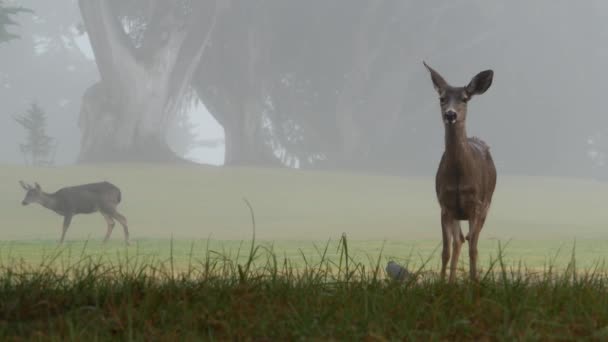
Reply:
x=536 y=217
x=190 y=273
x=261 y=296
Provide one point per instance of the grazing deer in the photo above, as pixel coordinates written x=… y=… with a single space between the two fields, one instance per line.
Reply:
x=80 y=199
x=466 y=177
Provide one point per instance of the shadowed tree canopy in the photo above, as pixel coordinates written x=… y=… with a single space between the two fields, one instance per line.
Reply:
x=320 y=83
x=6 y=20
x=340 y=84
x=146 y=52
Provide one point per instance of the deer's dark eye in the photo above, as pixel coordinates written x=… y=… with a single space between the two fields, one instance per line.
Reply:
x=442 y=100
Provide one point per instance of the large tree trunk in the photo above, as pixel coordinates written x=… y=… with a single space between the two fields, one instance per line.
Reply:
x=125 y=116
x=241 y=121
x=248 y=145
x=240 y=132
x=231 y=82
x=118 y=132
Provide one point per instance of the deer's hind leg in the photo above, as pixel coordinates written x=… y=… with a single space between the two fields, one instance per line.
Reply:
x=67 y=219
x=123 y=222
x=111 y=211
x=111 y=224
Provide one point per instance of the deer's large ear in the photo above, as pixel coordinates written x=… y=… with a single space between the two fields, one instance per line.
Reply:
x=438 y=82
x=23 y=185
x=37 y=186
x=480 y=83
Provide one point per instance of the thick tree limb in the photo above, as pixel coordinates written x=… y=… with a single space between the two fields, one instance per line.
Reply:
x=114 y=53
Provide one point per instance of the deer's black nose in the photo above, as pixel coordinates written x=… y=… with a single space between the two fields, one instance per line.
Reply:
x=450 y=116
x=23 y=203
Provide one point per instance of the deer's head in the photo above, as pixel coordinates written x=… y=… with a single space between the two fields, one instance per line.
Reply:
x=453 y=100
x=33 y=193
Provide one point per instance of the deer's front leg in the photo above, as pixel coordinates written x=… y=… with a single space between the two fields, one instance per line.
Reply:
x=67 y=219
x=475 y=225
x=456 y=247
x=446 y=224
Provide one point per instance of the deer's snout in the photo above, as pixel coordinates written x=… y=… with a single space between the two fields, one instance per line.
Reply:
x=24 y=203
x=450 y=116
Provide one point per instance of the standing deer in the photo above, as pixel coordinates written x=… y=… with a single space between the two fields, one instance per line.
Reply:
x=466 y=177
x=80 y=199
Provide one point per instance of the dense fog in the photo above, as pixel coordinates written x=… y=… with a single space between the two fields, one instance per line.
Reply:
x=308 y=84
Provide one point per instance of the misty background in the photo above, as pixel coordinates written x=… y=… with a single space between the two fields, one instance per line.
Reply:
x=310 y=84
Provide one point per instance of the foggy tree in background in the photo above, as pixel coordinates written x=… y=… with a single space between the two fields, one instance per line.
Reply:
x=550 y=87
x=316 y=84
x=322 y=83
x=182 y=136
x=39 y=146
x=233 y=81
x=45 y=63
x=271 y=80
x=146 y=53
x=341 y=84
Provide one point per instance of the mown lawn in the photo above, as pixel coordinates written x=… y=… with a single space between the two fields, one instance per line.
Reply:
x=185 y=277
x=206 y=202
x=295 y=210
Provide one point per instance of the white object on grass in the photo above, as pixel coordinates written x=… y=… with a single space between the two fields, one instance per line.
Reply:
x=396 y=271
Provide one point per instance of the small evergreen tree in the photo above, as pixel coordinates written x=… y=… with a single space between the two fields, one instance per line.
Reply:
x=38 y=146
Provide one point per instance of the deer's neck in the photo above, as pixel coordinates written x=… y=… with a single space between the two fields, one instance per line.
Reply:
x=49 y=201
x=457 y=151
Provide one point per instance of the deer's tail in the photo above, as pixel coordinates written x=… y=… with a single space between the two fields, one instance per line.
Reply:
x=118 y=196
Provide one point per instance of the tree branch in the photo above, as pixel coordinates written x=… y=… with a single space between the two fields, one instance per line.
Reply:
x=192 y=50
x=113 y=50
